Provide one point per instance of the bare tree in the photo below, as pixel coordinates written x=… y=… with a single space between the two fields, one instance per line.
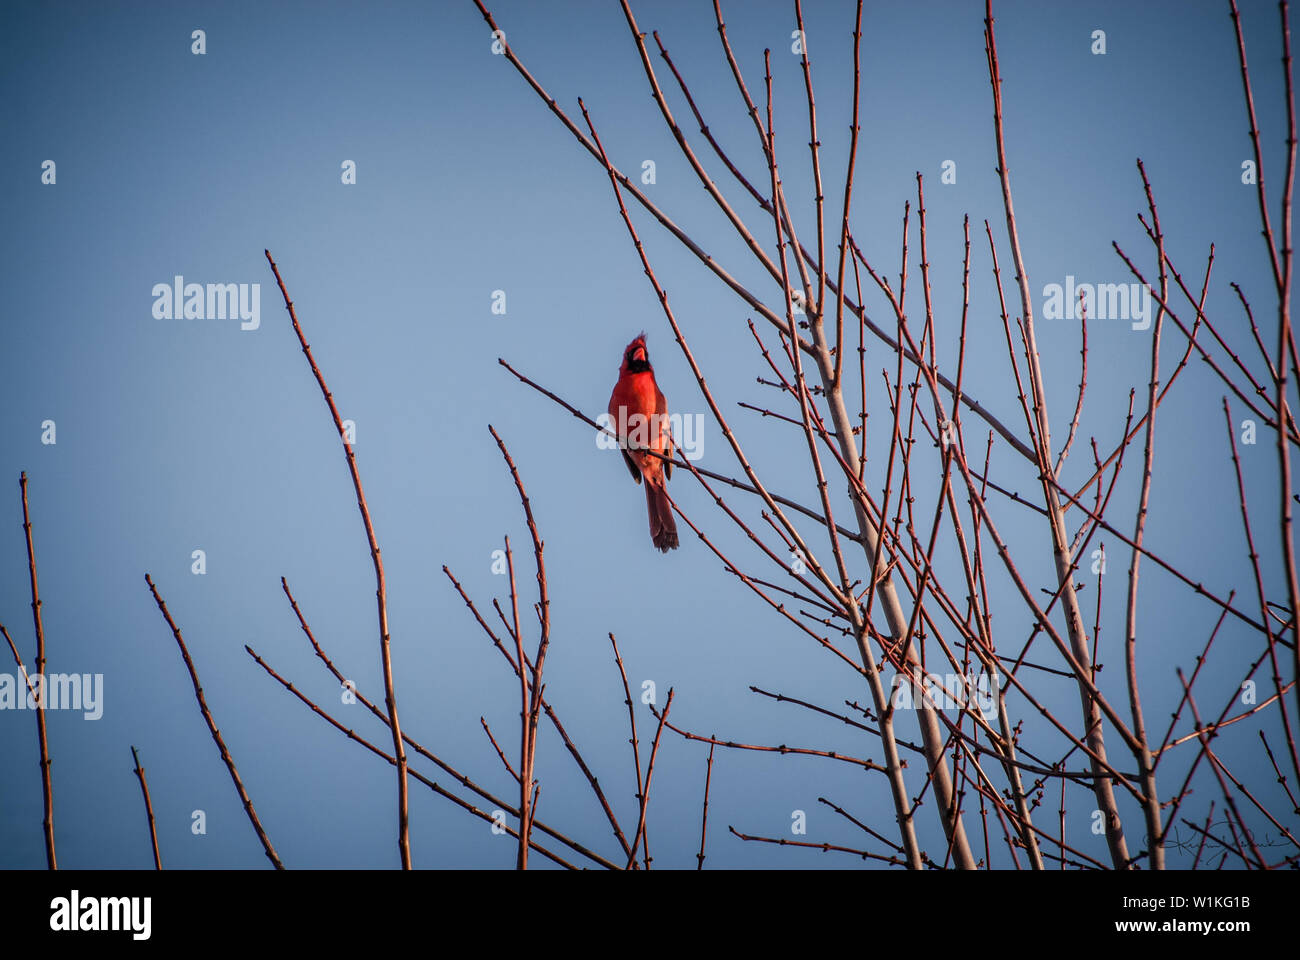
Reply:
x=898 y=553
x=898 y=602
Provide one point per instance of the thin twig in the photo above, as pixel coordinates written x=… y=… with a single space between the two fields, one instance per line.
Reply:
x=381 y=593
x=212 y=728
x=148 y=807
x=636 y=755
x=704 y=816
x=46 y=787
x=640 y=835
x=415 y=745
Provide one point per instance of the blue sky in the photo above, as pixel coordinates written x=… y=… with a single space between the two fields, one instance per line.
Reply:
x=178 y=435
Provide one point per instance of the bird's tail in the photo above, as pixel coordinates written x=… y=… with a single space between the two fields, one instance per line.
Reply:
x=663 y=529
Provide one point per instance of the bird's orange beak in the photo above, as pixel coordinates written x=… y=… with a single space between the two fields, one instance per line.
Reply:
x=639 y=354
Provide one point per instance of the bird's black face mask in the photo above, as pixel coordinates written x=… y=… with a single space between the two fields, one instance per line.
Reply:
x=636 y=364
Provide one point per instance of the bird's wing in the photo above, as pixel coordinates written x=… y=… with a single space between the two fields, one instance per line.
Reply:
x=632 y=467
x=666 y=433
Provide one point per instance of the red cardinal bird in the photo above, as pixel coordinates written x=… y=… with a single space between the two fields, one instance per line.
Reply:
x=639 y=415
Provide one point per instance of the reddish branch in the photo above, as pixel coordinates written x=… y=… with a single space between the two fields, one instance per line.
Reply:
x=35 y=697
x=1286 y=348
x=592 y=780
x=46 y=788
x=530 y=693
x=381 y=592
x=1146 y=768
x=823 y=847
x=640 y=835
x=704 y=815
x=212 y=728
x=432 y=785
x=148 y=808
x=1253 y=556
x=1060 y=548
x=460 y=778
